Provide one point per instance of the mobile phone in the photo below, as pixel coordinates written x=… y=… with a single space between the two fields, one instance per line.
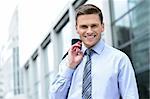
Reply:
x=75 y=40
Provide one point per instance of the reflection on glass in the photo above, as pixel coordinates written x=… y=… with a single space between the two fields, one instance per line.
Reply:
x=140 y=52
x=140 y=19
x=123 y=6
x=121 y=31
x=143 y=85
x=127 y=50
x=131 y=34
x=120 y=7
x=133 y=3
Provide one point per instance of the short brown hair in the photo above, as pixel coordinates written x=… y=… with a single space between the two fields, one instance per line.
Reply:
x=89 y=9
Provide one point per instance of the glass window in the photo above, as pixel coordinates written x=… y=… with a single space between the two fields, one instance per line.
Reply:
x=122 y=6
x=121 y=31
x=133 y=3
x=143 y=84
x=140 y=20
x=131 y=34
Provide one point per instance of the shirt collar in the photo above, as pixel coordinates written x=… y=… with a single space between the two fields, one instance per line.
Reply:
x=98 y=48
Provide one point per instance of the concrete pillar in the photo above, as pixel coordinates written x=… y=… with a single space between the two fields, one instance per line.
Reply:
x=73 y=21
x=56 y=50
x=44 y=69
x=31 y=80
x=107 y=21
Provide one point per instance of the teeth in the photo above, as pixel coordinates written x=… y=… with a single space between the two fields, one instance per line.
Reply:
x=90 y=36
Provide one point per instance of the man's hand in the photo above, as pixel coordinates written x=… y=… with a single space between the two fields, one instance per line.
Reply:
x=75 y=55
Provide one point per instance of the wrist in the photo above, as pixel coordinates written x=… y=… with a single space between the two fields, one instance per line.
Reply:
x=71 y=65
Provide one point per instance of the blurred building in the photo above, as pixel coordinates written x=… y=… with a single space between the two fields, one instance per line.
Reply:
x=7 y=72
x=127 y=27
x=10 y=71
x=1 y=76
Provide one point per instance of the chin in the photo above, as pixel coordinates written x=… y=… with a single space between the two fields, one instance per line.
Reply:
x=89 y=45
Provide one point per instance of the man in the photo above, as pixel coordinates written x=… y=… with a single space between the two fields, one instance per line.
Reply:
x=94 y=70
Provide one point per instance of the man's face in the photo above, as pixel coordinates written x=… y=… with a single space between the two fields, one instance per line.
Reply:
x=89 y=28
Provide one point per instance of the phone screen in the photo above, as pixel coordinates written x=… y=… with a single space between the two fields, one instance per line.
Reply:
x=75 y=40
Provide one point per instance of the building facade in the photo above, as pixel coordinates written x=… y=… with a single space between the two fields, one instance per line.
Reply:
x=1 y=75
x=131 y=34
x=126 y=28
x=10 y=71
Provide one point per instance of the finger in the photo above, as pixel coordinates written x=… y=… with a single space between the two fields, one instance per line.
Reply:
x=79 y=42
x=75 y=46
x=80 y=54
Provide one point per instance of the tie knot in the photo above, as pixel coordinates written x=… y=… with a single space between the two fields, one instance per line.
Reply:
x=89 y=52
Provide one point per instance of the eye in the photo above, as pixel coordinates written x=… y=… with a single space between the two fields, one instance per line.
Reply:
x=83 y=26
x=93 y=25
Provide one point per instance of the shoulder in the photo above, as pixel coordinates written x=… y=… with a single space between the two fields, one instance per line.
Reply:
x=118 y=57
x=115 y=52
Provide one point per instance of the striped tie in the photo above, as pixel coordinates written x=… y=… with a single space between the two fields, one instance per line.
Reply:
x=87 y=81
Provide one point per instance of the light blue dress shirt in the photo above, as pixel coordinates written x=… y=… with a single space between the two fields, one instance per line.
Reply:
x=112 y=76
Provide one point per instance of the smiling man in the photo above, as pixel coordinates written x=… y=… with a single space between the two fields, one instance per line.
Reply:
x=93 y=69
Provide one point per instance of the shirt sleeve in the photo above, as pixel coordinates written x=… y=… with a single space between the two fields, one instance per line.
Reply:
x=127 y=80
x=59 y=88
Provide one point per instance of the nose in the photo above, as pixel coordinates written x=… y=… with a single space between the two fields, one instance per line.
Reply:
x=89 y=30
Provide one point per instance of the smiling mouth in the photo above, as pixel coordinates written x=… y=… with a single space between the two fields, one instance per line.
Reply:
x=90 y=36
